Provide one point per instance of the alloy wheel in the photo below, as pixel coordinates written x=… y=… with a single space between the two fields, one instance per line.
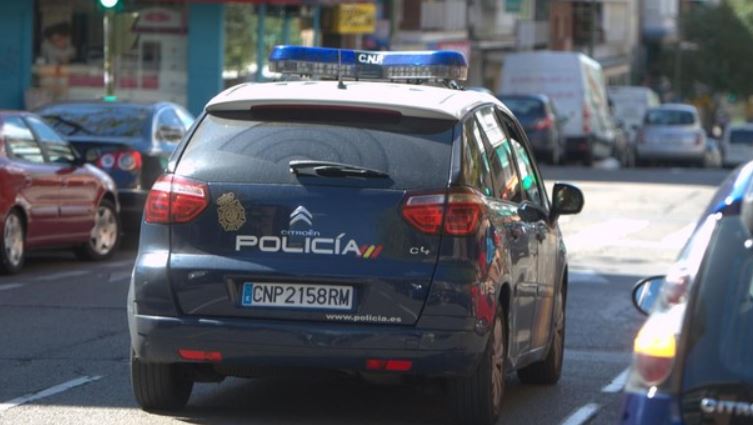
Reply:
x=104 y=235
x=13 y=240
x=497 y=363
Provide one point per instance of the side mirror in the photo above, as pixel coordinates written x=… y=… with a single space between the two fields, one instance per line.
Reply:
x=567 y=199
x=646 y=292
x=169 y=133
x=531 y=213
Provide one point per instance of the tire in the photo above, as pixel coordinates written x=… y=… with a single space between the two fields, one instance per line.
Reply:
x=12 y=244
x=477 y=399
x=159 y=386
x=549 y=370
x=105 y=235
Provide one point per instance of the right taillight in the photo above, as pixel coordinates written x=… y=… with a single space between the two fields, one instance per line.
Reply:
x=126 y=160
x=458 y=212
x=175 y=199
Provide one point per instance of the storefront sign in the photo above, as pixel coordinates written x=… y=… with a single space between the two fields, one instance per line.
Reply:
x=358 y=18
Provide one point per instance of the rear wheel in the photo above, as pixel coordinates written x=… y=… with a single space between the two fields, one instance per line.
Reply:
x=104 y=235
x=477 y=399
x=13 y=244
x=549 y=370
x=160 y=386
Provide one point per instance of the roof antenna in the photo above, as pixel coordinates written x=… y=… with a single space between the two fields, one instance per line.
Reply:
x=340 y=84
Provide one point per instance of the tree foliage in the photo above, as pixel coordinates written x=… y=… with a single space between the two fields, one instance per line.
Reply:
x=722 y=60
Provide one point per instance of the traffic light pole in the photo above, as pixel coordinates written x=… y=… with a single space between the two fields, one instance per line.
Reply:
x=109 y=76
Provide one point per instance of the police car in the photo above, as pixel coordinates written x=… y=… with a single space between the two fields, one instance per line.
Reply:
x=370 y=217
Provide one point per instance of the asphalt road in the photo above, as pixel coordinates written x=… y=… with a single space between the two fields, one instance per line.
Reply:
x=64 y=340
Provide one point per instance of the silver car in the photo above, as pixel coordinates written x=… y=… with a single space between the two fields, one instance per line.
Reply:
x=672 y=132
x=737 y=144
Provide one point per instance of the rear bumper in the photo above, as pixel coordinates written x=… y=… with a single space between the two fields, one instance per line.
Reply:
x=647 y=152
x=639 y=409
x=280 y=344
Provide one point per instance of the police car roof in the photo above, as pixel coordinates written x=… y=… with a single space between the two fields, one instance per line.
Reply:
x=409 y=99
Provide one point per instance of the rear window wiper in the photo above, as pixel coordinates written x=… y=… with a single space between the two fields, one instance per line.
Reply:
x=333 y=169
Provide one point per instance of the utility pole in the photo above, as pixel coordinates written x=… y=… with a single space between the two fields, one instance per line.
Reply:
x=109 y=7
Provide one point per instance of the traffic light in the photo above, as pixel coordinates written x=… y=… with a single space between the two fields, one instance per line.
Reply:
x=110 y=5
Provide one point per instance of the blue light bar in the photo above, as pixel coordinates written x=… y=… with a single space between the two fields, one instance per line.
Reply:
x=356 y=64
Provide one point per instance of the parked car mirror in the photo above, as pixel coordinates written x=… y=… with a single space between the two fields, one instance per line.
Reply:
x=567 y=199
x=531 y=213
x=646 y=292
x=169 y=133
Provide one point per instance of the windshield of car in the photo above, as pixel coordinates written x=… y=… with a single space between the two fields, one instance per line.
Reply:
x=721 y=315
x=253 y=147
x=525 y=108
x=97 y=119
x=669 y=117
x=741 y=137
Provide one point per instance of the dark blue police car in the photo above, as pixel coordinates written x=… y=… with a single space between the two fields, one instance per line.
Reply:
x=693 y=358
x=361 y=225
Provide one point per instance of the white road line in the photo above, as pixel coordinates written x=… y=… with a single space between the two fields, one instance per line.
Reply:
x=65 y=386
x=617 y=383
x=582 y=415
x=63 y=275
x=9 y=286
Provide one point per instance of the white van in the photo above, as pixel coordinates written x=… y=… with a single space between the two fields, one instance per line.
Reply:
x=575 y=83
x=629 y=105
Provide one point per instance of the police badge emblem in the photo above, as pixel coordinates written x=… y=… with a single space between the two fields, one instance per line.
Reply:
x=230 y=212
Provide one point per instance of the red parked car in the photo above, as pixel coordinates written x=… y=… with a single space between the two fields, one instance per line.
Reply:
x=49 y=197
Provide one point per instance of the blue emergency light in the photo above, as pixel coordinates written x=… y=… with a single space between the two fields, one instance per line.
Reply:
x=322 y=62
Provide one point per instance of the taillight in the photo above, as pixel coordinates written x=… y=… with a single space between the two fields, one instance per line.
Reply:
x=698 y=139
x=125 y=160
x=175 y=199
x=655 y=348
x=543 y=124
x=458 y=212
x=129 y=160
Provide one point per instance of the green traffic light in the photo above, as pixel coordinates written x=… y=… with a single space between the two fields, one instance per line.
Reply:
x=108 y=4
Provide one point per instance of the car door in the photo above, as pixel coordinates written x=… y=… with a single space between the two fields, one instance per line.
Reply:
x=40 y=194
x=545 y=235
x=513 y=235
x=78 y=191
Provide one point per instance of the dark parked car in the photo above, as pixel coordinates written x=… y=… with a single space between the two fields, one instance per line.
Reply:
x=365 y=226
x=49 y=197
x=539 y=118
x=131 y=141
x=693 y=358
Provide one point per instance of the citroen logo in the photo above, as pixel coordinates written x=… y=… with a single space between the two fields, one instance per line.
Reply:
x=300 y=214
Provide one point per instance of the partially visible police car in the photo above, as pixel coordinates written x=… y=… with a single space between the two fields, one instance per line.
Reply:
x=693 y=358
x=386 y=222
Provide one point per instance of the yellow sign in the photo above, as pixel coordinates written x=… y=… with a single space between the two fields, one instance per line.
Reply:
x=356 y=18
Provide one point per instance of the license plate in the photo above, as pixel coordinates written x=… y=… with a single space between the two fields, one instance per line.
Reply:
x=293 y=295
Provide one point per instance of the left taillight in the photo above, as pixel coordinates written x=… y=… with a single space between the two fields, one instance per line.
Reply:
x=544 y=124
x=654 y=349
x=174 y=200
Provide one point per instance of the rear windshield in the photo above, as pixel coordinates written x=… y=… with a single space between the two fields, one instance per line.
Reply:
x=97 y=119
x=668 y=117
x=248 y=147
x=524 y=108
x=721 y=321
x=741 y=137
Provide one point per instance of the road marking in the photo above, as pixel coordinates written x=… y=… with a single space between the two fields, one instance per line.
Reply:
x=65 y=386
x=586 y=276
x=63 y=275
x=582 y=415
x=617 y=383
x=9 y=286
x=605 y=233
